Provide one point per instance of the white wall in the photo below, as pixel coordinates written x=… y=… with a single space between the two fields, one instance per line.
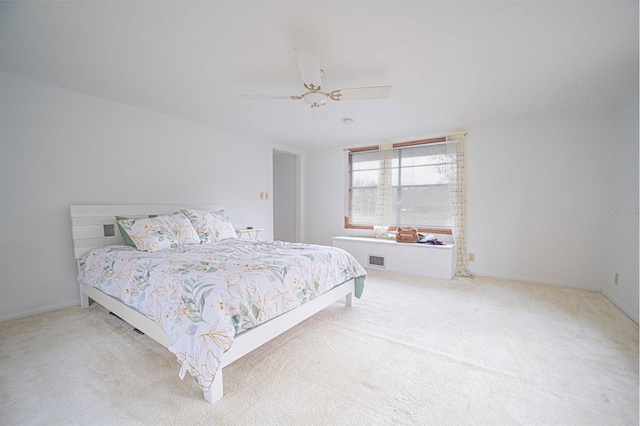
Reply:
x=60 y=147
x=537 y=194
x=622 y=211
x=537 y=191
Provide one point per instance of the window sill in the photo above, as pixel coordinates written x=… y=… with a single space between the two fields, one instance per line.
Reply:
x=374 y=240
x=347 y=225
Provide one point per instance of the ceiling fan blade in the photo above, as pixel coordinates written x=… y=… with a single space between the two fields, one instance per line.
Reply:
x=375 y=92
x=309 y=69
x=269 y=97
x=319 y=112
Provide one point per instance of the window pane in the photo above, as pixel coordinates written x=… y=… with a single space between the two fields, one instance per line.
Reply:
x=365 y=178
x=423 y=175
x=420 y=206
x=357 y=157
x=426 y=196
x=363 y=206
x=395 y=171
x=437 y=217
x=425 y=154
x=365 y=160
x=366 y=165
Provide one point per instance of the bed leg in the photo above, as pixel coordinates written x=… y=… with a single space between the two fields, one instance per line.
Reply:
x=84 y=299
x=348 y=300
x=215 y=391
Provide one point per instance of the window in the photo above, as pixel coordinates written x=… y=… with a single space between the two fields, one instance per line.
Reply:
x=419 y=192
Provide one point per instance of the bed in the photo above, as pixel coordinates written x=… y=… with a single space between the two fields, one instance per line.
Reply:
x=179 y=274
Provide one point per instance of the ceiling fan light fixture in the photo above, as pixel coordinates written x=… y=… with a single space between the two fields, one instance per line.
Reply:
x=347 y=120
x=315 y=98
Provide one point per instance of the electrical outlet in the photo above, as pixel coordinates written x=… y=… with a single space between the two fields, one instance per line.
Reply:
x=617 y=277
x=472 y=257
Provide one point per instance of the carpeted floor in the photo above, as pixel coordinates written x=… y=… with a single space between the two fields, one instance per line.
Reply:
x=412 y=351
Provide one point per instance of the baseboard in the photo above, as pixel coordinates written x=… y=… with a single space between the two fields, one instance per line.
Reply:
x=533 y=280
x=632 y=315
x=41 y=310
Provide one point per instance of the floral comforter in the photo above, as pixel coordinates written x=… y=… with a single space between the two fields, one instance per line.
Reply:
x=203 y=295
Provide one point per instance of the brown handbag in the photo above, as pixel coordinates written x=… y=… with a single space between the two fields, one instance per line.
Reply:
x=407 y=235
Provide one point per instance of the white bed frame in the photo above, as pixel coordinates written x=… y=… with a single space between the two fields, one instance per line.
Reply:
x=94 y=226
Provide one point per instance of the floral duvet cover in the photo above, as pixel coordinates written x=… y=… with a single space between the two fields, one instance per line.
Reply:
x=203 y=295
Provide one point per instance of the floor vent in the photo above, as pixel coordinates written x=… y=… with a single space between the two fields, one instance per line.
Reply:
x=377 y=261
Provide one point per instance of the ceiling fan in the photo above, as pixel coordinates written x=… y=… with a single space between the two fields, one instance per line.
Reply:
x=317 y=98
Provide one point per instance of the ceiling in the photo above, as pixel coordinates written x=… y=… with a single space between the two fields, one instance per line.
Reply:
x=452 y=64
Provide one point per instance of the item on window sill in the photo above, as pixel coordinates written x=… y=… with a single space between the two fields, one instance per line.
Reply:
x=429 y=239
x=249 y=227
x=380 y=231
x=422 y=238
x=407 y=235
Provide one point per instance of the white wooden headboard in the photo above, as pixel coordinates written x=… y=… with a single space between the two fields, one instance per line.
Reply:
x=94 y=226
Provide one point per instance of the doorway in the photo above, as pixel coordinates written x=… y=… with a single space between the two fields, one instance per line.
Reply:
x=285 y=196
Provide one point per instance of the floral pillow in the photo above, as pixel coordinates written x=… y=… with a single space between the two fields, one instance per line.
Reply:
x=211 y=226
x=125 y=236
x=160 y=233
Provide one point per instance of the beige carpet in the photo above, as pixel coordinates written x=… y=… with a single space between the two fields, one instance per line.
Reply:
x=412 y=351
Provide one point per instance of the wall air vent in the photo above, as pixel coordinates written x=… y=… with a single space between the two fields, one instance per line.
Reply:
x=376 y=261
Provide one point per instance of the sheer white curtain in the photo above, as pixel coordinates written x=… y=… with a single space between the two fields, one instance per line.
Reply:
x=384 y=194
x=457 y=177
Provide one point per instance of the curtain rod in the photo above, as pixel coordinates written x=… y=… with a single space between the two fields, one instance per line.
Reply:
x=408 y=144
x=399 y=144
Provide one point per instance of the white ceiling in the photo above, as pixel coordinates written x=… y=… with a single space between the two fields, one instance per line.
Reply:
x=452 y=64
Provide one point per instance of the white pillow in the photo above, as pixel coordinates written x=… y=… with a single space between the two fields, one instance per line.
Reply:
x=161 y=232
x=211 y=226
